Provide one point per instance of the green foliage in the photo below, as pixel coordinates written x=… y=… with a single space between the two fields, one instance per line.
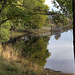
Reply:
x=20 y=11
x=65 y=5
x=26 y=13
x=4 y=34
x=39 y=52
x=60 y=19
x=35 y=50
x=66 y=8
x=36 y=21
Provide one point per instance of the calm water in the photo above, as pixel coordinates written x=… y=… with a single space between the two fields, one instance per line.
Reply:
x=62 y=54
x=53 y=50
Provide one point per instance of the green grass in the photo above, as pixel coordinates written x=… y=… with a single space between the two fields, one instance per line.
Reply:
x=21 y=66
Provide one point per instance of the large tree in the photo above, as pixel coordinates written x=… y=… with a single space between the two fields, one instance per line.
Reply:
x=20 y=12
x=20 y=9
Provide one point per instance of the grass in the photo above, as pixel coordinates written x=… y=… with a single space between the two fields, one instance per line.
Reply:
x=11 y=63
x=8 y=67
x=21 y=68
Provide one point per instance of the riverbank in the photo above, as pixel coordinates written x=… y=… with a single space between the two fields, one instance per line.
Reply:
x=18 y=67
x=46 y=29
x=20 y=32
x=12 y=63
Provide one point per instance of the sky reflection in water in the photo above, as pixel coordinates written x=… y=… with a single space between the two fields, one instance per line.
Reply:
x=62 y=56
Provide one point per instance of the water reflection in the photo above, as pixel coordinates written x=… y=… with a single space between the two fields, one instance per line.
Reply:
x=33 y=48
x=62 y=55
x=57 y=30
x=38 y=48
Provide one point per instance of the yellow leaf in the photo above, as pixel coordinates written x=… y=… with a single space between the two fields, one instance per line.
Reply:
x=19 y=2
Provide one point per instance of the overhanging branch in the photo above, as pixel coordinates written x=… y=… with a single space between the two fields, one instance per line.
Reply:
x=4 y=21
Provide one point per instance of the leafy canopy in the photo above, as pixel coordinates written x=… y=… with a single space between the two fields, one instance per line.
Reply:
x=65 y=5
x=21 y=13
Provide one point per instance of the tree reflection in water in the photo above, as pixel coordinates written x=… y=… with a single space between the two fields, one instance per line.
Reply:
x=34 y=49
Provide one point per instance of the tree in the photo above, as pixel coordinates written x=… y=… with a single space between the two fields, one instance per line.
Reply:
x=60 y=19
x=20 y=9
x=65 y=6
x=36 y=21
x=21 y=12
x=66 y=11
x=34 y=49
x=9 y=11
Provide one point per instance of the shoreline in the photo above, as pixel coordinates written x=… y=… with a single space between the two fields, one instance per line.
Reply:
x=45 y=71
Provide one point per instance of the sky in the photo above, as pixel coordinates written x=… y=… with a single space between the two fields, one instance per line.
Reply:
x=50 y=4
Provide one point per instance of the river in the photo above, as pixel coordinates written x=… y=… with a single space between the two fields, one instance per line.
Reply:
x=52 y=50
x=62 y=54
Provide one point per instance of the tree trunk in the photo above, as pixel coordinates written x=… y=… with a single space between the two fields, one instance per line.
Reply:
x=74 y=24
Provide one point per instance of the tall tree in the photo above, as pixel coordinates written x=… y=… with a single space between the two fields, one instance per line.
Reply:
x=20 y=12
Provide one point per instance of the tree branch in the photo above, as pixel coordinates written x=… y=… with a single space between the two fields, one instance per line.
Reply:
x=4 y=21
x=20 y=5
x=62 y=2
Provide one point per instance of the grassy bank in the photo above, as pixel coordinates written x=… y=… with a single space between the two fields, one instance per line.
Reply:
x=18 y=67
x=12 y=63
